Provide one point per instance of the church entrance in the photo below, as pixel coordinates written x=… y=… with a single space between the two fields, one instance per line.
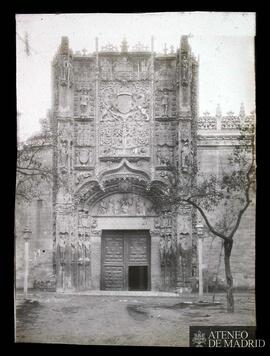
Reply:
x=125 y=260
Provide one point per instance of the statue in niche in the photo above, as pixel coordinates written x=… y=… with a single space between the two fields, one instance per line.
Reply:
x=66 y=72
x=84 y=100
x=165 y=103
x=162 y=250
x=185 y=241
x=62 y=247
x=163 y=157
x=184 y=66
x=80 y=249
x=185 y=154
x=87 y=246
x=63 y=154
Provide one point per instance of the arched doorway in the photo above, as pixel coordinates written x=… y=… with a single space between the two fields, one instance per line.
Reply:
x=122 y=226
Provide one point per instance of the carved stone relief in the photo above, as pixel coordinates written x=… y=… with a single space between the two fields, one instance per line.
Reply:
x=124 y=204
x=106 y=69
x=165 y=133
x=83 y=218
x=165 y=103
x=63 y=153
x=186 y=154
x=84 y=71
x=184 y=230
x=65 y=71
x=84 y=156
x=165 y=74
x=65 y=142
x=85 y=134
x=124 y=120
x=164 y=155
x=123 y=69
x=185 y=69
x=82 y=176
x=84 y=101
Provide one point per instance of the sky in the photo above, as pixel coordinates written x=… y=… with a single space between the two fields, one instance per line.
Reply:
x=223 y=42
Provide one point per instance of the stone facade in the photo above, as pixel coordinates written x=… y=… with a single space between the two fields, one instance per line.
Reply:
x=119 y=117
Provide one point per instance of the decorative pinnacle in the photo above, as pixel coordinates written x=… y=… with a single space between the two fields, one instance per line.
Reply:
x=64 y=47
x=124 y=45
x=242 y=110
x=165 y=49
x=184 y=43
x=218 y=110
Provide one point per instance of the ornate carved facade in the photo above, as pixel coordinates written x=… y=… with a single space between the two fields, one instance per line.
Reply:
x=120 y=117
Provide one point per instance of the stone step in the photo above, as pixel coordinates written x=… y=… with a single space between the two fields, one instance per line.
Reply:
x=124 y=293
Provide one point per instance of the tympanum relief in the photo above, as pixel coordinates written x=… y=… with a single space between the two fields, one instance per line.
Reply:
x=124 y=204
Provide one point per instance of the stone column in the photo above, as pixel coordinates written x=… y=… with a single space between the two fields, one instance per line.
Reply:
x=96 y=260
x=156 y=278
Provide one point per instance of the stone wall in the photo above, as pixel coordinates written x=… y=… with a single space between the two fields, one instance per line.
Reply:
x=37 y=216
x=214 y=160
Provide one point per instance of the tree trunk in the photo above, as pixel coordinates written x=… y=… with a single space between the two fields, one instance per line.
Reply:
x=229 y=279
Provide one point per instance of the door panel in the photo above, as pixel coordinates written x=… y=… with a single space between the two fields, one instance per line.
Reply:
x=113 y=277
x=120 y=250
x=114 y=250
x=137 y=251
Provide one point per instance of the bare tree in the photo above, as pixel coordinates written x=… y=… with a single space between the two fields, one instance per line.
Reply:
x=33 y=171
x=228 y=194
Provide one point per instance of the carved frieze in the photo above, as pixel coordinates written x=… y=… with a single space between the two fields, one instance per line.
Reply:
x=230 y=121
x=207 y=122
x=124 y=204
x=124 y=120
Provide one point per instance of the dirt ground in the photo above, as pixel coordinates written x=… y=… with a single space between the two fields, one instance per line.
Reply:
x=111 y=320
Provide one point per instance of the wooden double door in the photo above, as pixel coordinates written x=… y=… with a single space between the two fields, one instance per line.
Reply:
x=125 y=260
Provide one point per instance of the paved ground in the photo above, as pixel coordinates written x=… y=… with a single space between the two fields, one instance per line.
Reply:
x=112 y=320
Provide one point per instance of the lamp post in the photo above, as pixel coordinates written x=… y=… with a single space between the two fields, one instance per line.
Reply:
x=199 y=228
x=26 y=236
